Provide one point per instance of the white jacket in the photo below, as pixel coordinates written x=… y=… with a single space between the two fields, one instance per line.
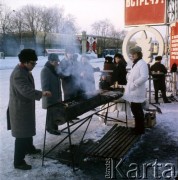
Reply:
x=135 y=90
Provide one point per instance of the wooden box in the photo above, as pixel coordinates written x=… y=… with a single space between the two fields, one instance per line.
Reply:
x=150 y=119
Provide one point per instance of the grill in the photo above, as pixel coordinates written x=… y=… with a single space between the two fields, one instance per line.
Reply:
x=68 y=110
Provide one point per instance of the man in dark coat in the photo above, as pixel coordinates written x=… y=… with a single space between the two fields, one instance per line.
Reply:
x=158 y=72
x=69 y=69
x=103 y=83
x=87 y=80
x=109 y=65
x=21 y=109
x=50 y=81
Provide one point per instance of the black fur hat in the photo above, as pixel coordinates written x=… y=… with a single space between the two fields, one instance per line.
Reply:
x=27 y=55
x=158 y=58
x=108 y=59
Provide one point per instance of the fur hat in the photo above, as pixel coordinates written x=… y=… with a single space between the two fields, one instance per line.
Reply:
x=108 y=59
x=136 y=49
x=27 y=55
x=53 y=57
x=158 y=58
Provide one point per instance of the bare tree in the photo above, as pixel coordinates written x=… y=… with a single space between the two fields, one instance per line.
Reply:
x=5 y=25
x=50 y=19
x=68 y=25
x=17 y=26
x=46 y=20
x=32 y=17
x=107 y=35
x=59 y=19
x=118 y=37
x=30 y=20
x=104 y=30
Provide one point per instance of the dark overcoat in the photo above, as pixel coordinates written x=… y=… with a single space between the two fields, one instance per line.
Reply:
x=120 y=73
x=50 y=81
x=87 y=81
x=159 y=80
x=105 y=85
x=22 y=103
x=70 y=78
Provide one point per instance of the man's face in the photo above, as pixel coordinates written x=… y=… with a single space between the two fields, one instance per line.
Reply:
x=54 y=63
x=30 y=65
x=69 y=55
x=103 y=77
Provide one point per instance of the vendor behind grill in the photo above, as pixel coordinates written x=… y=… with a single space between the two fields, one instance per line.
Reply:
x=119 y=70
x=103 y=83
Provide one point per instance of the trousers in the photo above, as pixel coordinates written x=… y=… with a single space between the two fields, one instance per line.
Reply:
x=22 y=147
x=138 y=113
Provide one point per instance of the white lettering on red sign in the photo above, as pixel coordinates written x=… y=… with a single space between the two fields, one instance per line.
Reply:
x=133 y=3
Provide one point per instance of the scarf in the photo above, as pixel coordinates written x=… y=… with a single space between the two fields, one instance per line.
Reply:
x=135 y=62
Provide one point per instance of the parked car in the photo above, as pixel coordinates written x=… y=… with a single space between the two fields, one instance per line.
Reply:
x=111 y=52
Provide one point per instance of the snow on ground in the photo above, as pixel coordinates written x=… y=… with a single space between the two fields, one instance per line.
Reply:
x=168 y=121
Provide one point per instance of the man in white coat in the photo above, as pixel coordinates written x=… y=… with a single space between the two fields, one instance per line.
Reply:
x=135 y=90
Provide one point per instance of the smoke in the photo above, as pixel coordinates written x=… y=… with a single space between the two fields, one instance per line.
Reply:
x=78 y=74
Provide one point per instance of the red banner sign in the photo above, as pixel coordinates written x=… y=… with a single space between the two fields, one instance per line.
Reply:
x=145 y=12
x=174 y=44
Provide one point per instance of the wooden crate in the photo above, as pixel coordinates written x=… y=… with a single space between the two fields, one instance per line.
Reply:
x=150 y=119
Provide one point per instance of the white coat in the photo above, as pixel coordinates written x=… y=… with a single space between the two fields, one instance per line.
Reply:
x=135 y=90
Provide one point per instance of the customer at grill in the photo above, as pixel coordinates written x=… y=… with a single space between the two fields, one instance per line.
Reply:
x=50 y=81
x=87 y=81
x=103 y=83
x=135 y=90
x=158 y=72
x=69 y=69
x=119 y=70
x=108 y=66
x=21 y=108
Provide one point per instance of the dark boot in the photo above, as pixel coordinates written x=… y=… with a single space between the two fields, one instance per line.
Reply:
x=165 y=99
x=23 y=166
x=34 y=151
x=54 y=132
x=31 y=149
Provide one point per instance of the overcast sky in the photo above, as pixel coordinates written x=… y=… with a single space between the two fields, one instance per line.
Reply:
x=86 y=12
